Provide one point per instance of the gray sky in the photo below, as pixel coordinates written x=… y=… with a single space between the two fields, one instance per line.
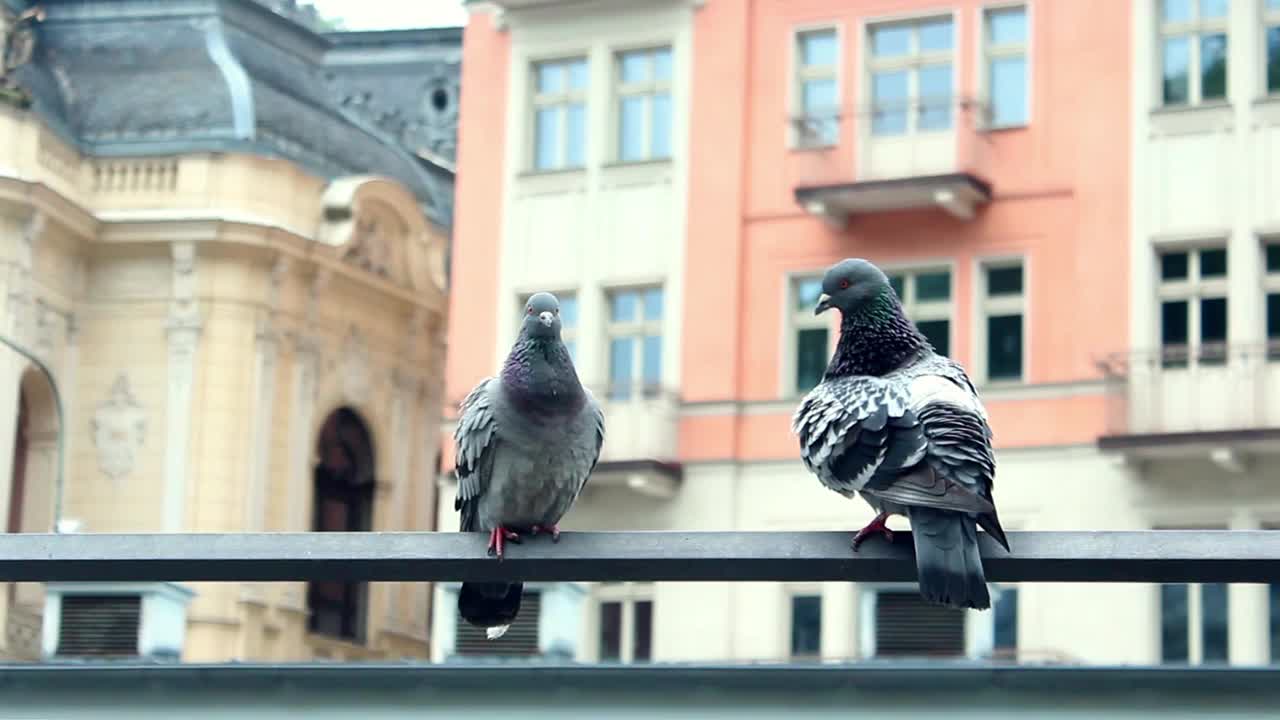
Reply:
x=388 y=14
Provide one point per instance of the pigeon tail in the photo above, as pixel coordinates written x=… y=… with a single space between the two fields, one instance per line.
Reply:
x=947 y=559
x=490 y=605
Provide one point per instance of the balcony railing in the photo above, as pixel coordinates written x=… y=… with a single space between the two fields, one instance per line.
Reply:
x=1213 y=387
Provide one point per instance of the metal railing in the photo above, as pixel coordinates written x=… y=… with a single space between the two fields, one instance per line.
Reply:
x=1159 y=556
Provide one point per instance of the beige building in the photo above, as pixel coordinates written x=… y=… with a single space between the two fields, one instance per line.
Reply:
x=238 y=286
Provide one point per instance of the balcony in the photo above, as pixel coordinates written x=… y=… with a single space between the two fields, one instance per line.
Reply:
x=919 y=154
x=1219 y=399
x=642 y=424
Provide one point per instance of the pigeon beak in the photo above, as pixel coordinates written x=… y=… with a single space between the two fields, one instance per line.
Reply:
x=824 y=304
x=546 y=318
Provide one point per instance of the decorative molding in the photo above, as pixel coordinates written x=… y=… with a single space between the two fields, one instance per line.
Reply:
x=119 y=428
x=21 y=294
x=266 y=351
x=183 y=330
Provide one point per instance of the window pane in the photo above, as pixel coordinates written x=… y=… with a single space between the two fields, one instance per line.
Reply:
x=806 y=294
x=1173 y=623
x=933 y=286
x=896 y=282
x=938 y=332
x=1273 y=4
x=547 y=150
x=1173 y=322
x=653 y=304
x=550 y=78
x=1006 y=621
x=889 y=97
x=1007 y=27
x=1273 y=59
x=1176 y=68
x=634 y=67
x=1273 y=316
x=1273 y=258
x=642 y=632
x=1213 y=263
x=662 y=64
x=890 y=40
x=935 y=97
x=660 y=130
x=623 y=307
x=1213 y=67
x=578 y=74
x=652 y=361
x=1213 y=622
x=818 y=97
x=1004 y=281
x=1009 y=91
x=818 y=48
x=811 y=358
x=806 y=625
x=1004 y=347
x=621 y=357
x=569 y=311
x=610 y=631
x=1274 y=592
x=1212 y=9
x=1213 y=320
x=935 y=35
x=631 y=129
x=1173 y=266
x=575 y=153
x=1175 y=10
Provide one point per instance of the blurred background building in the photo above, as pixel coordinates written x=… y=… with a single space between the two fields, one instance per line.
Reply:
x=225 y=232
x=1074 y=200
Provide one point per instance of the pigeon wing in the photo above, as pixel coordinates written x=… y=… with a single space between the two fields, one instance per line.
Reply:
x=476 y=441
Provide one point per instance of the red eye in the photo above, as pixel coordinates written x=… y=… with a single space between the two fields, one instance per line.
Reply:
x=844 y=284
x=529 y=310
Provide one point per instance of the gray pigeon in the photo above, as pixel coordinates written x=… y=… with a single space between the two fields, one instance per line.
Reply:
x=903 y=427
x=526 y=442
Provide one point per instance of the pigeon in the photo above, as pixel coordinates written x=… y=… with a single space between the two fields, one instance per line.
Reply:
x=526 y=440
x=902 y=427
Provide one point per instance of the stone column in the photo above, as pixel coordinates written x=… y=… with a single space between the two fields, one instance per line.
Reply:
x=183 y=330
x=266 y=350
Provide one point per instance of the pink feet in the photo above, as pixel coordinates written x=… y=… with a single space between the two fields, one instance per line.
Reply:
x=553 y=529
x=875 y=526
x=498 y=538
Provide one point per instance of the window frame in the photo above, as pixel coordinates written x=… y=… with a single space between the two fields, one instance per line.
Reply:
x=789 y=597
x=797 y=128
x=628 y=595
x=990 y=52
x=795 y=320
x=979 y=626
x=911 y=62
x=1270 y=21
x=646 y=90
x=1192 y=29
x=1270 y=286
x=987 y=306
x=570 y=96
x=929 y=310
x=1192 y=290
x=638 y=329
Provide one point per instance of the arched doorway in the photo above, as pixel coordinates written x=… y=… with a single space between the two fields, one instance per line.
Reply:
x=18 y=481
x=343 y=481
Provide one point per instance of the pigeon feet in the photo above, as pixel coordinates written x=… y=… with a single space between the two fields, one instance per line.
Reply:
x=498 y=538
x=875 y=526
x=553 y=529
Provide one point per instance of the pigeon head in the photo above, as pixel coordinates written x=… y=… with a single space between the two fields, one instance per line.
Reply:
x=849 y=285
x=542 y=316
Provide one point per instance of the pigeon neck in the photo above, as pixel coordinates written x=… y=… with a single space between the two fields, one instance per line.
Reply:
x=540 y=376
x=876 y=339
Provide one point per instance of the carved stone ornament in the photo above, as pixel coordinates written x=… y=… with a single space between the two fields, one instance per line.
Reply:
x=119 y=427
x=17 y=44
x=369 y=248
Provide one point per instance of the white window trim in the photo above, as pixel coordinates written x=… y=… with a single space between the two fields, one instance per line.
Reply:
x=1008 y=304
x=788 y=597
x=627 y=594
x=1270 y=19
x=795 y=320
x=979 y=627
x=801 y=72
x=988 y=52
x=918 y=311
x=570 y=96
x=645 y=90
x=911 y=62
x=639 y=329
x=1192 y=29
x=1192 y=289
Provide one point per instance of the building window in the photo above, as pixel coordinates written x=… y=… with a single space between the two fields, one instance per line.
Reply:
x=926 y=298
x=635 y=342
x=911 y=76
x=1193 y=623
x=1005 y=32
x=1272 y=287
x=1272 y=21
x=1003 y=302
x=817 y=96
x=520 y=641
x=625 y=623
x=1004 y=642
x=1193 y=306
x=902 y=624
x=806 y=626
x=811 y=345
x=1193 y=51
x=560 y=114
x=568 y=319
x=644 y=105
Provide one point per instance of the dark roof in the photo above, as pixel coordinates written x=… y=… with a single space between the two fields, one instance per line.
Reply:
x=120 y=77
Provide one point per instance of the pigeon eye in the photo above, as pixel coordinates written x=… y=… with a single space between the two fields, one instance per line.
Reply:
x=844 y=284
x=529 y=310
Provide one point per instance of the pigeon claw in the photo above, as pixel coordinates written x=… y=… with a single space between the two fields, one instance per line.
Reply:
x=553 y=529
x=498 y=538
x=876 y=526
